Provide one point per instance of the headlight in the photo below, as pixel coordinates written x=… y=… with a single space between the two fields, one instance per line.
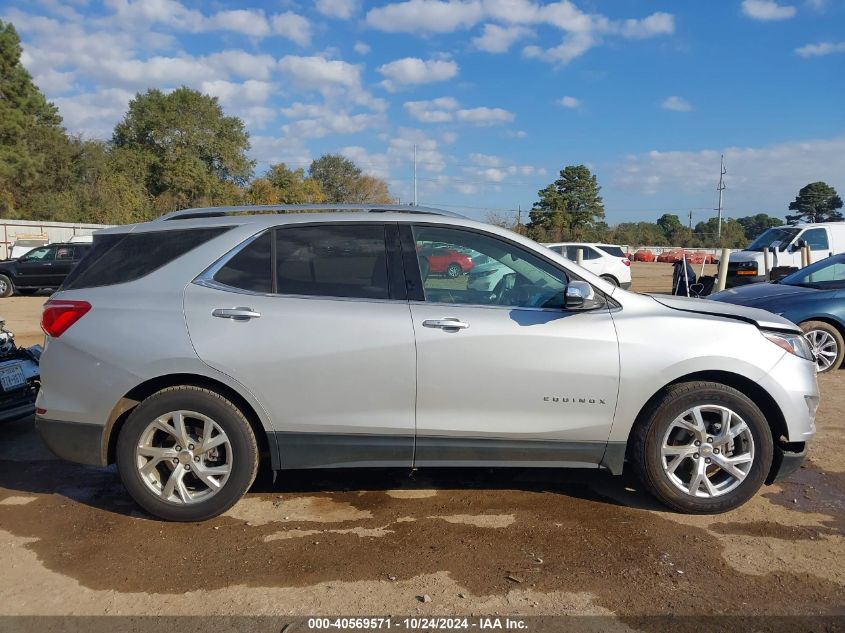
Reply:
x=792 y=343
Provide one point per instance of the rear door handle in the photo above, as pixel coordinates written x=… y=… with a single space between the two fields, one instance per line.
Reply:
x=236 y=314
x=448 y=323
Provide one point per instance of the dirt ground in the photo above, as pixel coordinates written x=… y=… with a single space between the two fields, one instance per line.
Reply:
x=542 y=542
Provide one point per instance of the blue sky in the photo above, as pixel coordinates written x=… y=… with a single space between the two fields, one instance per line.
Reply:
x=497 y=95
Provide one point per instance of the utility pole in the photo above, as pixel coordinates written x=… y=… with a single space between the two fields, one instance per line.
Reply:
x=721 y=188
x=415 y=174
x=519 y=218
x=690 y=219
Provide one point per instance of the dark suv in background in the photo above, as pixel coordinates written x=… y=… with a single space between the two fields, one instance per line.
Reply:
x=42 y=267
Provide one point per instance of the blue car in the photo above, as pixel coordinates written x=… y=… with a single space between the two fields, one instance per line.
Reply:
x=813 y=297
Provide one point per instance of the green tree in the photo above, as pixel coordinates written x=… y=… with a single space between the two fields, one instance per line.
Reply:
x=337 y=176
x=196 y=154
x=371 y=190
x=569 y=208
x=754 y=225
x=733 y=235
x=293 y=186
x=670 y=225
x=816 y=202
x=33 y=145
x=638 y=234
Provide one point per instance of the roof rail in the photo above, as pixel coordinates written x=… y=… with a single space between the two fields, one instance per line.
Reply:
x=282 y=209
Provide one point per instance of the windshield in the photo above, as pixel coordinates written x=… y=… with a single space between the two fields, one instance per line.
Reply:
x=784 y=235
x=827 y=274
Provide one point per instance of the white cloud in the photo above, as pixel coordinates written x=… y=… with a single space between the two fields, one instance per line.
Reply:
x=319 y=73
x=340 y=9
x=94 y=114
x=250 y=22
x=767 y=10
x=572 y=46
x=434 y=111
x=435 y=16
x=292 y=26
x=820 y=49
x=677 y=104
x=498 y=39
x=484 y=116
x=362 y=48
x=651 y=26
x=758 y=178
x=485 y=160
x=413 y=71
x=508 y=21
x=570 y=102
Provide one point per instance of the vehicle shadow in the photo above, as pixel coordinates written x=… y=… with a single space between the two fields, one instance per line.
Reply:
x=26 y=467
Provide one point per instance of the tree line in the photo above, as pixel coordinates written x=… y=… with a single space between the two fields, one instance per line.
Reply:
x=170 y=151
x=571 y=209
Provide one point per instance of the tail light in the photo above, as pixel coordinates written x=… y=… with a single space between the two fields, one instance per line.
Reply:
x=627 y=262
x=59 y=315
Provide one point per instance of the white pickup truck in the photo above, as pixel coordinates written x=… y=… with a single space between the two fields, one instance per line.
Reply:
x=747 y=266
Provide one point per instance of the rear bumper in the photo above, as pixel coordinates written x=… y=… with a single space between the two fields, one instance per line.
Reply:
x=73 y=441
x=18 y=411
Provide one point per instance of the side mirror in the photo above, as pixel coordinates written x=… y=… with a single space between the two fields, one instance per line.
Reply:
x=580 y=296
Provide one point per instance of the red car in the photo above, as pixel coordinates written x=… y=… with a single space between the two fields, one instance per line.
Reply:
x=446 y=261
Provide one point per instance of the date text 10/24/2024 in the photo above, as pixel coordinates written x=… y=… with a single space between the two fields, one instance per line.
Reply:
x=418 y=623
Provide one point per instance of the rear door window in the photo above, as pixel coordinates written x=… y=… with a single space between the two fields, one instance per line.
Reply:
x=332 y=260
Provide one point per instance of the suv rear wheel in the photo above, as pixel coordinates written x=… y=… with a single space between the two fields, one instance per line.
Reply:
x=611 y=279
x=187 y=454
x=703 y=448
x=454 y=271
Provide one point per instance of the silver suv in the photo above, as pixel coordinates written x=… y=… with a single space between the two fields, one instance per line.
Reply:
x=189 y=349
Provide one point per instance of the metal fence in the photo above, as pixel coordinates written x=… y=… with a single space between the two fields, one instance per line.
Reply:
x=13 y=230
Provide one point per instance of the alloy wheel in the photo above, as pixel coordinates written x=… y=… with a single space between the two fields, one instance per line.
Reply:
x=707 y=451
x=824 y=346
x=184 y=457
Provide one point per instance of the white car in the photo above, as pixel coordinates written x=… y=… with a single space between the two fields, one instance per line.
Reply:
x=486 y=273
x=605 y=260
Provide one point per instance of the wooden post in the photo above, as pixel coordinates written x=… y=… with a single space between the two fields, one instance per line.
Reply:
x=579 y=256
x=723 y=269
x=809 y=255
x=766 y=265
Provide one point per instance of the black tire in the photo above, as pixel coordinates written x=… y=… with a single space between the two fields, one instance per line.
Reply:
x=7 y=288
x=821 y=326
x=226 y=415
x=611 y=279
x=454 y=271
x=647 y=439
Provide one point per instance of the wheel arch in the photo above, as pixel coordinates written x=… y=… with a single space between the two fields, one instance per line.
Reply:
x=611 y=277
x=122 y=410
x=829 y=319
x=759 y=396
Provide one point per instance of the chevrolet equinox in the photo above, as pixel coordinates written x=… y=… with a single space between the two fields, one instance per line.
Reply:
x=188 y=349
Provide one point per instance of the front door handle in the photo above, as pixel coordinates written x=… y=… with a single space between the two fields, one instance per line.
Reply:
x=236 y=314
x=448 y=323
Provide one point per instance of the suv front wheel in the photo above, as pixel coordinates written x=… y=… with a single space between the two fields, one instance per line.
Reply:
x=187 y=454
x=703 y=448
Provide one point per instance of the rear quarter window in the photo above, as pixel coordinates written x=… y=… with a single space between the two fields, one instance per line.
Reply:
x=120 y=258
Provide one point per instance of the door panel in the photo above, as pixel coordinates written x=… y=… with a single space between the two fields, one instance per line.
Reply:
x=36 y=268
x=515 y=375
x=509 y=384
x=335 y=375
